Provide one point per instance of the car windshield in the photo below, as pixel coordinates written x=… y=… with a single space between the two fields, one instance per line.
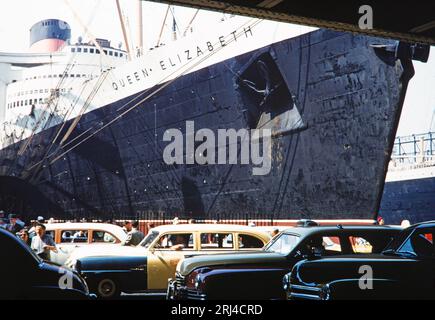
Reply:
x=283 y=244
x=146 y=242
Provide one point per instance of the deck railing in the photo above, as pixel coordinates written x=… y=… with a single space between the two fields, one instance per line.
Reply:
x=414 y=149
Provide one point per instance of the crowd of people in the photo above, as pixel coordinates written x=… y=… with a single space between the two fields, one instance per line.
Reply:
x=35 y=236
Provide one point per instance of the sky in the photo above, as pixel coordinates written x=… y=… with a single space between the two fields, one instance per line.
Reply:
x=101 y=18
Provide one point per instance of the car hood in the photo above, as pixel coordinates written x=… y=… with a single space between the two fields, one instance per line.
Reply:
x=105 y=250
x=189 y=264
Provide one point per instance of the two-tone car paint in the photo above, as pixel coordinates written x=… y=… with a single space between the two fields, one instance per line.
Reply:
x=148 y=267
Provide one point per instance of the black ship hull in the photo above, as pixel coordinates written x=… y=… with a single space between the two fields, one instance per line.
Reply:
x=331 y=164
x=412 y=200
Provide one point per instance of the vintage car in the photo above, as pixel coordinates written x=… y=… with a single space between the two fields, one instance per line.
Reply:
x=26 y=276
x=147 y=267
x=404 y=270
x=258 y=275
x=71 y=235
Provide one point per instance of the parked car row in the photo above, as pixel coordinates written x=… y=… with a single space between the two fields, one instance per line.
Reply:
x=93 y=254
x=110 y=270
x=233 y=276
x=213 y=261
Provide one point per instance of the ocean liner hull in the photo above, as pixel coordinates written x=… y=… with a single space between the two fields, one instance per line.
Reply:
x=343 y=94
x=412 y=200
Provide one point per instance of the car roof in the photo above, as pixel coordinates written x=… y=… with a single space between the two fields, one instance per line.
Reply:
x=209 y=227
x=425 y=224
x=7 y=233
x=112 y=228
x=305 y=231
x=13 y=237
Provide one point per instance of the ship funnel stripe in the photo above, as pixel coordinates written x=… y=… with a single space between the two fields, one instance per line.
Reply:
x=50 y=29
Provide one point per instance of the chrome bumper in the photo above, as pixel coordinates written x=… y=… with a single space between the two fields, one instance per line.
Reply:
x=177 y=292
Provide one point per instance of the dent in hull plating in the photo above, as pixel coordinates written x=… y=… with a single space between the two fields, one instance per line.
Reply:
x=331 y=100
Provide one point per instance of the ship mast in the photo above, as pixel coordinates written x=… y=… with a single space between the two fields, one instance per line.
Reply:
x=174 y=25
x=124 y=32
x=163 y=25
x=432 y=122
x=139 y=27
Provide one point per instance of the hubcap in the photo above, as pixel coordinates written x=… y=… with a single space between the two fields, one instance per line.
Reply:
x=106 y=288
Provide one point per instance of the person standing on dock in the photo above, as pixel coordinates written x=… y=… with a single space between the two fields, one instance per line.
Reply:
x=43 y=243
x=14 y=225
x=127 y=226
x=134 y=235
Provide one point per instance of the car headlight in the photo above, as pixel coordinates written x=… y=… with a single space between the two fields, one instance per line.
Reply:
x=286 y=282
x=325 y=292
x=197 y=281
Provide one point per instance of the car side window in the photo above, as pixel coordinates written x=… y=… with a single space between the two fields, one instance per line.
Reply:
x=331 y=245
x=283 y=243
x=360 y=245
x=176 y=241
x=247 y=241
x=323 y=245
x=213 y=241
x=74 y=236
x=102 y=237
x=419 y=244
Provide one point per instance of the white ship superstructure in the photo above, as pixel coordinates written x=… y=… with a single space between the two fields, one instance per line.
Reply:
x=40 y=90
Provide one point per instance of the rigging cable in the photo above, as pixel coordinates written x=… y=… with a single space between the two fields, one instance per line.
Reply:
x=148 y=96
x=163 y=26
x=164 y=85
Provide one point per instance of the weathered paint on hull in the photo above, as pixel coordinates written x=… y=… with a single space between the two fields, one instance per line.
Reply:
x=349 y=97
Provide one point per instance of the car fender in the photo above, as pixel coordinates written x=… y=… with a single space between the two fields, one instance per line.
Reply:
x=129 y=272
x=360 y=288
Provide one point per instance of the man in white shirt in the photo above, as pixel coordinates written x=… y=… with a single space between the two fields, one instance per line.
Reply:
x=43 y=243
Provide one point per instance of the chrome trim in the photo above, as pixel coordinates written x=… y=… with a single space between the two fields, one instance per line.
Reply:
x=298 y=287
x=178 y=288
x=195 y=295
x=304 y=296
x=180 y=280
